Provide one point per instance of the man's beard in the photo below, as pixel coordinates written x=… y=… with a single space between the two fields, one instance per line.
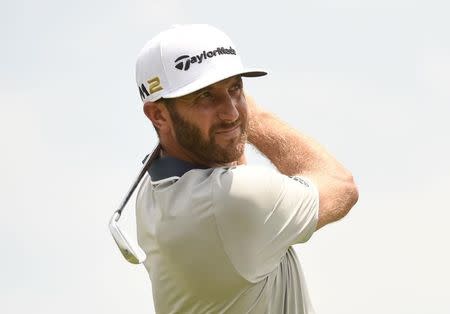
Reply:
x=190 y=138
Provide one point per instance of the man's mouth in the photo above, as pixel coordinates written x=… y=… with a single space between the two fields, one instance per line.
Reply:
x=229 y=129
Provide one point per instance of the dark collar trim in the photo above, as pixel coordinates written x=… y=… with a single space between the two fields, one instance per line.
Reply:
x=166 y=167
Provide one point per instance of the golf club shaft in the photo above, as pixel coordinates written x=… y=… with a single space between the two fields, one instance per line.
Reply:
x=147 y=163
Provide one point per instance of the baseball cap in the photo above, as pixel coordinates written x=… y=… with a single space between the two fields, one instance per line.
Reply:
x=186 y=58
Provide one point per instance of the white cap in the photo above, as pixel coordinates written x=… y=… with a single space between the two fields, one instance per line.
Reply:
x=186 y=58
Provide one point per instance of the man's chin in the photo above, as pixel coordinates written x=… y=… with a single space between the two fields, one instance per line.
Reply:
x=229 y=155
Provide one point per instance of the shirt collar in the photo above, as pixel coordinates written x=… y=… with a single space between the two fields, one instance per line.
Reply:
x=167 y=166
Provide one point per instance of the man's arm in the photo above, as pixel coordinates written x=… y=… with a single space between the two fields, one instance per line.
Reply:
x=296 y=154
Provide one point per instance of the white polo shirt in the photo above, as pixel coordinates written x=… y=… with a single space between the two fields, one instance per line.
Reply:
x=219 y=240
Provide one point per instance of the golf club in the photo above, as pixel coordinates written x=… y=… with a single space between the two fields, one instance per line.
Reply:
x=130 y=250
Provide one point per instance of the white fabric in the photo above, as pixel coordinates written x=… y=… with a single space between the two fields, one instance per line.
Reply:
x=207 y=56
x=219 y=240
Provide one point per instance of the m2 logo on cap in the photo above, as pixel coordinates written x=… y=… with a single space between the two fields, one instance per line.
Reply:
x=184 y=62
x=154 y=85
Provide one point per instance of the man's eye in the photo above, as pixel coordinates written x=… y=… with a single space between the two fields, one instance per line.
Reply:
x=236 y=87
x=204 y=95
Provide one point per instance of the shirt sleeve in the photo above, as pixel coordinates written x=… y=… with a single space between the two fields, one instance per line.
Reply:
x=260 y=213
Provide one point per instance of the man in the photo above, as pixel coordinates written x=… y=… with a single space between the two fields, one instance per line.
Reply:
x=217 y=233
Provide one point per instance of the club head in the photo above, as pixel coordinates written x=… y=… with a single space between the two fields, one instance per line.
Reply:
x=132 y=252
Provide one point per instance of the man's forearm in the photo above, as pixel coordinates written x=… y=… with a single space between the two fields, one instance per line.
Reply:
x=290 y=151
x=296 y=154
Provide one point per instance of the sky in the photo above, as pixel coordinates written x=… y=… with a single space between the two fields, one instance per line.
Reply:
x=367 y=79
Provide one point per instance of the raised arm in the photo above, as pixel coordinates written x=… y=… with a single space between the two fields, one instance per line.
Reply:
x=294 y=153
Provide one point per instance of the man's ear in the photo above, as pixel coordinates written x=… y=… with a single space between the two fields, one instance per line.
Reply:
x=157 y=113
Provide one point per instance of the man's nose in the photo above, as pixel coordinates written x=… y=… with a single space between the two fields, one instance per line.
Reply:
x=228 y=111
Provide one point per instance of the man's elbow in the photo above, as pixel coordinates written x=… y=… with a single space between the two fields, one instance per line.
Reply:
x=338 y=204
x=350 y=190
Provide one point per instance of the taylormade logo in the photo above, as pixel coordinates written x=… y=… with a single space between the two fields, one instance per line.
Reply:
x=184 y=62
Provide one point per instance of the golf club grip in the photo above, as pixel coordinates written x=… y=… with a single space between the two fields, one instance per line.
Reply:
x=155 y=154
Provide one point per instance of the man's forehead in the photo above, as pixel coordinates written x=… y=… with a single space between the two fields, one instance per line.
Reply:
x=222 y=83
x=232 y=79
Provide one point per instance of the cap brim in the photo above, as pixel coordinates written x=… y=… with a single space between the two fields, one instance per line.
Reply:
x=211 y=78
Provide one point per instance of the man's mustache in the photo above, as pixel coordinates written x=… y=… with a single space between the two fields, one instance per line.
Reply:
x=225 y=125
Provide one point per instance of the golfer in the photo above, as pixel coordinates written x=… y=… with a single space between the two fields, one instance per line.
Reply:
x=218 y=234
